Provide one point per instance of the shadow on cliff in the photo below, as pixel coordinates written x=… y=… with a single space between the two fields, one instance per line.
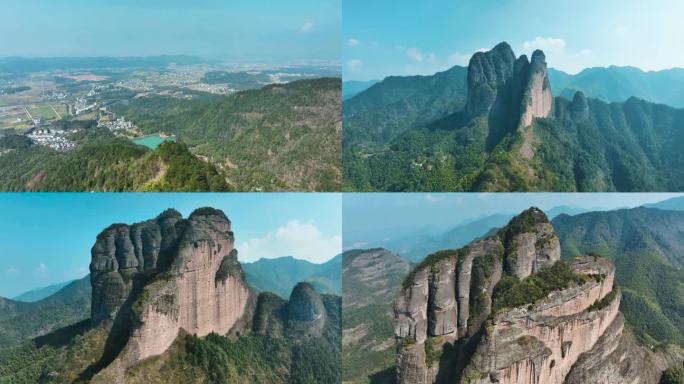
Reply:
x=455 y=357
x=61 y=337
x=118 y=335
x=386 y=376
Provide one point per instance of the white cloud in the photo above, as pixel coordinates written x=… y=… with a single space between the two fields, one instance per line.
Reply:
x=297 y=239
x=352 y=42
x=354 y=64
x=558 y=55
x=544 y=43
x=306 y=27
x=415 y=54
x=12 y=271
x=41 y=271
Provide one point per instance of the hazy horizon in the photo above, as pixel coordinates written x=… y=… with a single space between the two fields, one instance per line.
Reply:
x=392 y=212
x=242 y=31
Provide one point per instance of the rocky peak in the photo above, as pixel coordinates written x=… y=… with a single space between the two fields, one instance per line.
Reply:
x=487 y=73
x=537 y=99
x=445 y=310
x=579 y=106
x=305 y=309
x=153 y=278
x=511 y=91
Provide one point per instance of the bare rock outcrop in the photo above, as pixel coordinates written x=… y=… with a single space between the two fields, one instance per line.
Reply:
x=537 y=99
x=541 y=342
x=447 y=332
x=449 y=296
x=160 y=276
x=510 y=93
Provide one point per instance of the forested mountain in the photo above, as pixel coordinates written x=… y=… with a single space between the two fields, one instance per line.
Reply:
x=396 y=104
x=102 y=162
x=279 y=137
x=371 y=280
x=40 y=293
x=514 y=136
x=280 y=275
x=617 y=84
x=20 y=320
x=351 y=88
x=646 y=246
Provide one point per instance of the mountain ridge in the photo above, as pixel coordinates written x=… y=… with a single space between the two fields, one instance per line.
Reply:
x=514 y=136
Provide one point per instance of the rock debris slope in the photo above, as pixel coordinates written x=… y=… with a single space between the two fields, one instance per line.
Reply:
x=505 y=309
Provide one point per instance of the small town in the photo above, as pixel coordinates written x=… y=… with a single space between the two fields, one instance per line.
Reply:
x=55 y=139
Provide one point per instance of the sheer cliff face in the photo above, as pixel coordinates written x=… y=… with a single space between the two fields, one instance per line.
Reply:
x=541 y=343
x=165 y=274
x=445 y=329
x=511 y=92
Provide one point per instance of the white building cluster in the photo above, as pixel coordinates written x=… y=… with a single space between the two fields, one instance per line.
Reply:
x=118 y=125
x=81 y=105
x=55 y=139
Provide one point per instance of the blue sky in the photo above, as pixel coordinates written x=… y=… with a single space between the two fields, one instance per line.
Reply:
x=235 y=30
x=46 y=238
x=396 y=213
x=401 y=37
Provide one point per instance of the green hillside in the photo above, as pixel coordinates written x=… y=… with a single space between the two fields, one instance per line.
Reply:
x=385 y=110
x=102 y=162
x=647 y=248
x=20 y=320
x=279 y=137
x=585 y=145
x=281 y=274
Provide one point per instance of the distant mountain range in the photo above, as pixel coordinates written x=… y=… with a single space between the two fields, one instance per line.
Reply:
x=280 y=275
x=26 y=64
x=617 y=84
x=351 y=88
x=413 y=245
x=25 y=320
x=647 y=248
x=497 y=127
x=40 y=293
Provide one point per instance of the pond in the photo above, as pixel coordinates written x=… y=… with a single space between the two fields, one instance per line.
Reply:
x=153 y=141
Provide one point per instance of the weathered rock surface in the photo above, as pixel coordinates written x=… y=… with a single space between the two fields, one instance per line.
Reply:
x=160 y=276
x=509 y=92
x=617 y=359
x=537 y=99
x=305 y=309
x=488 y=73
x=540 y=343
x=446 y=331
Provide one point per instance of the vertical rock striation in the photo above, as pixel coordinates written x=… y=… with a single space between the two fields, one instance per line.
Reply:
x=446 y=331
x=159 y=276
x=513 y=91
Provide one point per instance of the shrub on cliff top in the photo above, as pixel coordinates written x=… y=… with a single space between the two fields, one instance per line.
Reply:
x=512 y=292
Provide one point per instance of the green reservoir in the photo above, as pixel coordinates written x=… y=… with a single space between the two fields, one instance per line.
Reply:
x=152 y=141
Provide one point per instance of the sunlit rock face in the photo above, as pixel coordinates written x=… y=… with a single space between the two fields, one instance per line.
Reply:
x=446 y=331
x=168 y=274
